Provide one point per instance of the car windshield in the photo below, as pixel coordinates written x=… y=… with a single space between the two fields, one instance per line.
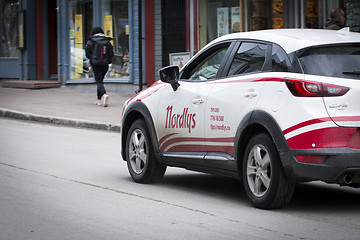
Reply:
x=333 y=61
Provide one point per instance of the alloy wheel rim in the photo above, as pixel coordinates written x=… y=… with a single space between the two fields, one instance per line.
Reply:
x=258 y=170
x=137 y=151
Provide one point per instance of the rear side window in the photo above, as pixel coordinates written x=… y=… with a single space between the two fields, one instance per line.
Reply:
x=333 y=61
x=279 y=60
x=249 y=58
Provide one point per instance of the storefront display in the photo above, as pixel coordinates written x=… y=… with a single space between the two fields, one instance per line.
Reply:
x=235 y=19
x=222 y=21
x=277 y=14
x=218 y=18
x=260 y=14
x=81 y=15
x=228 y=20
x=116 y=26
x=314 y=17
x=266 y=14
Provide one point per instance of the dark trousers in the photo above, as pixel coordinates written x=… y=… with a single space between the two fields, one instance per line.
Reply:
x=99 y=74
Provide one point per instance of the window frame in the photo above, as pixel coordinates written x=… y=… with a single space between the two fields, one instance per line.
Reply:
x=267 y=66
x=289 y=63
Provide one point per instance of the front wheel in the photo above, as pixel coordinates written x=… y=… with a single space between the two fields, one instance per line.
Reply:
x=264 y=179
x=140 y=158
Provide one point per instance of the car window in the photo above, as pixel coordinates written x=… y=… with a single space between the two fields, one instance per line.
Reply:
x=209 y=67
x=279 y=60
x=332 y=61
x=249 y=58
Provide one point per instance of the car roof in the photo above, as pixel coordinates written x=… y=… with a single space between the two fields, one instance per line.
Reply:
x=292 y=40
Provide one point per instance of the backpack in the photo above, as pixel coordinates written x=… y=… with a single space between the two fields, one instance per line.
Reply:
x=101 y=54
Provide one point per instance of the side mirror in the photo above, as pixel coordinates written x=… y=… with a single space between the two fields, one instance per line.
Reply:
x=170 y=75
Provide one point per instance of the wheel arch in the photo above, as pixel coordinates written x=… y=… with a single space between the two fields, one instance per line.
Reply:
x=138 y=110
x=253 y=123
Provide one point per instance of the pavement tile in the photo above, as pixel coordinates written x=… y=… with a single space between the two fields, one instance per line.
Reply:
x=63 y=106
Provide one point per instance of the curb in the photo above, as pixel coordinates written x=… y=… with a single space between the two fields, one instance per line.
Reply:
x=58 y=120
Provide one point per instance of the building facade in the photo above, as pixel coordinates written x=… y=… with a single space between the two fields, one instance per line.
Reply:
x=45 y=39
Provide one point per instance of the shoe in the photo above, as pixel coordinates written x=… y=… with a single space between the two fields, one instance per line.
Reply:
x=98 y=102
x=105 y=100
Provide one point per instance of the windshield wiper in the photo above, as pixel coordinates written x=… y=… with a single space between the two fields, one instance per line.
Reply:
x=354 y=72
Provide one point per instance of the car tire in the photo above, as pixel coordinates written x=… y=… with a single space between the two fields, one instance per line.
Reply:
x=142 y=164
x=264 y=179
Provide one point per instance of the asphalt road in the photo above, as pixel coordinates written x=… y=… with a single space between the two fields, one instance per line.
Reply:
x=67 y=183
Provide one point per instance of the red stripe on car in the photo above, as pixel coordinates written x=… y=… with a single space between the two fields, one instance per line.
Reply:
x=326 y=138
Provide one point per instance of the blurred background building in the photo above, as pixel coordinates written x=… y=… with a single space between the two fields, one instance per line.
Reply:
x=45 y=39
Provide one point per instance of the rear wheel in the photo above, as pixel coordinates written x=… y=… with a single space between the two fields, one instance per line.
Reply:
x=140 y=158
x=263 y=176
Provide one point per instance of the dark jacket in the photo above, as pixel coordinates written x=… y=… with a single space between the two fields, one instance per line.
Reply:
x=102 y=39
x=333 y=24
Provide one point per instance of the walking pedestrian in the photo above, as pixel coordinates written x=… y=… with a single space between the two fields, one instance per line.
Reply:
x=337 y=19
x=100 y=52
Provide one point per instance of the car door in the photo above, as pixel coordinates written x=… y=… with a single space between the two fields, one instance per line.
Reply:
x=180 y=122
x=231 y=99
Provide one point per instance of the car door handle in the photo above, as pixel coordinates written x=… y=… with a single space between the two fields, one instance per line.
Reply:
x=251 y=94
x=198 y=101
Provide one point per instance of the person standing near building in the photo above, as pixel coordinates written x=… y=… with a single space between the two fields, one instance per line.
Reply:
x=100 y=52
x=337 y=19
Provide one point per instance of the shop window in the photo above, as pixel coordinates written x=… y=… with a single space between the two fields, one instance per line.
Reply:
x=218 y=18
x=277 y=14
x=266 y=14
x=116 y=26
x=260 y=14
x=8 y=28
x=314 y=18
x=81 y=19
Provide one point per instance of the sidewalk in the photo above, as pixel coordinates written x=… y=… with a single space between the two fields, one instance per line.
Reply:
x=64 y=106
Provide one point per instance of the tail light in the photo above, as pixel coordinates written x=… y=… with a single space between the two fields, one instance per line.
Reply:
x=302 y=88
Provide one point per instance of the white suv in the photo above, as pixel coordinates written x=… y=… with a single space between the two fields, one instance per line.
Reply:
x=270 y=108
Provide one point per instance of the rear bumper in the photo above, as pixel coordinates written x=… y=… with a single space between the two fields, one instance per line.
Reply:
x=341 y=166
